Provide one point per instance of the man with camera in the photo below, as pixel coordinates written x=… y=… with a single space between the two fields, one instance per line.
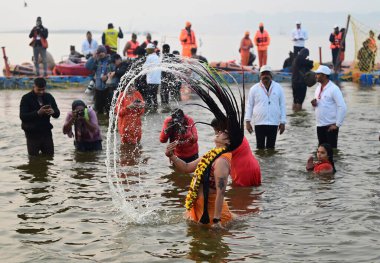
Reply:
x=99 y=63
x=39 y=33
x=86 y=134
x=180 y=128
x=36 y=108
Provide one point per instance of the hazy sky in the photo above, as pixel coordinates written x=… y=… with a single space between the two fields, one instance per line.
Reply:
x=160 y=15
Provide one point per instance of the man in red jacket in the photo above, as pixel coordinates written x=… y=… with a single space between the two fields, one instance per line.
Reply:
x=180 y=127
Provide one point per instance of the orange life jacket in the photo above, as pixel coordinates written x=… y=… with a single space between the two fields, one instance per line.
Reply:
x=337 y=41
x=132 y=48
x=262 y=40
x=187 y=39
x=188 y=42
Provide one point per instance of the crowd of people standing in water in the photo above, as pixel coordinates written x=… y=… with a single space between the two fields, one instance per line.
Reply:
x=264 y=112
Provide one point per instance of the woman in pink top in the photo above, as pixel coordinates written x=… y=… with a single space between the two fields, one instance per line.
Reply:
x=86 y=128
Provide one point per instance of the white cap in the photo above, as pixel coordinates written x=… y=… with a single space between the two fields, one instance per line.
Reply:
x=323 y=70
x=150 y=46
x=298 y=23
x=265 y=68
x=336 y=26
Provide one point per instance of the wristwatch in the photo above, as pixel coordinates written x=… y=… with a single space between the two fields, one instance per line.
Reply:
x=216 y=220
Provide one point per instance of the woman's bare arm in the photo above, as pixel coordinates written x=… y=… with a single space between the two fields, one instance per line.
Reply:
x=221 y=172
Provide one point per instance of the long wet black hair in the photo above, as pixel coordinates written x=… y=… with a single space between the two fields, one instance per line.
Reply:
x=230 y=114
x=330 y=154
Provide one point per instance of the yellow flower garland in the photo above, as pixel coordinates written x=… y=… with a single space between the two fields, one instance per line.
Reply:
x=202 y=166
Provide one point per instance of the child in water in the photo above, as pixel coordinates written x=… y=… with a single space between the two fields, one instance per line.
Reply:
x=325 y=163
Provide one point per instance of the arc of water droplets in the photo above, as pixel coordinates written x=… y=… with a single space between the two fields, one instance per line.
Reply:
x=137 y=210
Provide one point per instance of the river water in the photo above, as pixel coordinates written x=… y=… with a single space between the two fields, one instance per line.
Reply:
x=61 y=209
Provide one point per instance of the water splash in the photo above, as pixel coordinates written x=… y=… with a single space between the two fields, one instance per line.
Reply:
x=128 y=190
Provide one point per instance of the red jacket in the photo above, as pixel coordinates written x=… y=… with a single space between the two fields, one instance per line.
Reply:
x=188 y=141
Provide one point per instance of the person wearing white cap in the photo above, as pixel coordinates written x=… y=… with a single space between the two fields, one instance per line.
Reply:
x=266 y=108
x=299 y=36
x=153 y=78
x=335 y=40
x=330 y=108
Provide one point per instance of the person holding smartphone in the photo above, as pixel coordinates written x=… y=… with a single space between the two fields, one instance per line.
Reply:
x=36 y=108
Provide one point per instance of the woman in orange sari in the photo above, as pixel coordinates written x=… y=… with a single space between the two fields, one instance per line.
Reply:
x=129 y=108
x=245 y=47
x=205 y=200
x=220 y=169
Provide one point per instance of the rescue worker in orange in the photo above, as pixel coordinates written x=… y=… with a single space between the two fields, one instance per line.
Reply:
x=131 y=46
x=129 y=108
x=188 y=40
x=262 y=41
x=335 y=40
x=245 y=46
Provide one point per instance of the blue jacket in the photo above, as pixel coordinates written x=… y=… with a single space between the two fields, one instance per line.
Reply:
x=101 y=67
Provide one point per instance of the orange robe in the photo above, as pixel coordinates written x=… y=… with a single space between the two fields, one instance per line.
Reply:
x=245 y=45
x=188 y=41
x=196 y=211
x=129 y=122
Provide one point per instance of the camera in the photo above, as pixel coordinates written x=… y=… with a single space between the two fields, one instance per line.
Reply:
x=81 y=113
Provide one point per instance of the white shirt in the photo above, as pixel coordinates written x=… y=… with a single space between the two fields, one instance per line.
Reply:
x=88 y=48
x=297 y=34
x=266 y=107
x=154 y=75
x=331 y=108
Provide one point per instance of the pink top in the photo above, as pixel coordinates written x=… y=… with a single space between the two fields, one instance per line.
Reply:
x=82 y=134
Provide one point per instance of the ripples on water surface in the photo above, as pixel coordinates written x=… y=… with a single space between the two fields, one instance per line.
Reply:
x=61 y=210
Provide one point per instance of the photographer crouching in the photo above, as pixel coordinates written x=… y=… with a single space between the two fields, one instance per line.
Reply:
x=180 y=128
x=86 y=128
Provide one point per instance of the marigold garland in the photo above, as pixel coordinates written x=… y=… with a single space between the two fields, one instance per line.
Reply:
x=202 y=166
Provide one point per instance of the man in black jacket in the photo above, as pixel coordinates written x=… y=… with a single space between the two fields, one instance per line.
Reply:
x=36 y=108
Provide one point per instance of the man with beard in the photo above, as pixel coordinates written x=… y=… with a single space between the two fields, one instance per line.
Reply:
x=266 y=108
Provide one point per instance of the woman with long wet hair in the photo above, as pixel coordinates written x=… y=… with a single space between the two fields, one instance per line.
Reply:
x=205 y=200
x=325 y=160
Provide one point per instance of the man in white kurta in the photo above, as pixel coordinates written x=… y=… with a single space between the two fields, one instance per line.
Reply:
x=330 y=108
x=266 y=109
x=299 y=36
x=153 y=78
